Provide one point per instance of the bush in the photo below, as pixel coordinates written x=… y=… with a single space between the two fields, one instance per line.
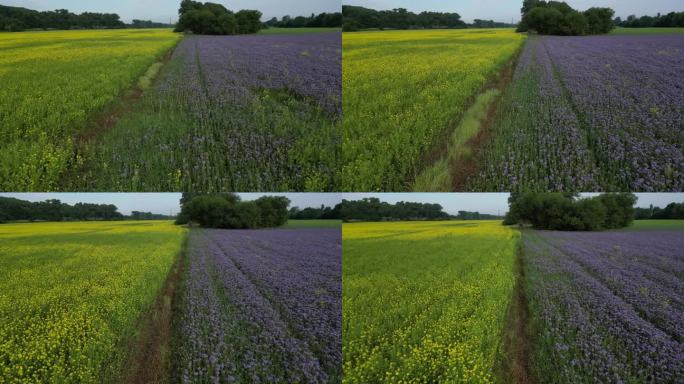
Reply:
x=557 y=211
x=215 y=19
x=558 y=18
x=229 y=212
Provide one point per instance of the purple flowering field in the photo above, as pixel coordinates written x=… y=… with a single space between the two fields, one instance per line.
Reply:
x=591 y=113
x=606 y=306
x=261 y=306
x=247 y=112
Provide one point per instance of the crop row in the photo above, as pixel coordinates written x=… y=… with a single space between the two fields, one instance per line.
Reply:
x=607 y=305
x=594 y=113
x=261 y=306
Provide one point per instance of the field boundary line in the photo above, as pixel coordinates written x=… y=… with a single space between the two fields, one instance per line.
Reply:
x=107 y=118
x=150 y=359
x=515 y=365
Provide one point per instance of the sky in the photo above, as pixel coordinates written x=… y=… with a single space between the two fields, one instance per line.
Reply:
x=167 y=10
x=507 y=10
x=167 y=203
x=494 y=203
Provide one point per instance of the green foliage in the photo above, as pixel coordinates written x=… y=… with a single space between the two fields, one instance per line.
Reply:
x=323 y=20
x=558 y=18
x=671 y=20
x=671 y=211
x=356 y=18
x=228 y=211
x=215 y=19
x=16 y=19
x=322 y=213
x=12 y=209
x=566 y=212
x=372 y=209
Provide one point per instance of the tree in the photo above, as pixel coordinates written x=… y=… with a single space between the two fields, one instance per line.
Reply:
x=230 y=212
x=568 y=212
x=599 y=20
x=558 y=18
x=248 y=21
x=215 y=19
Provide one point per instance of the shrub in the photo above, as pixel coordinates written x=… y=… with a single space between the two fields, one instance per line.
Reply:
x=215 y=19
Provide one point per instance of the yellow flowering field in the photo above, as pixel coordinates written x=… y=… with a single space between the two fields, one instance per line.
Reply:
x=403 y=90
x=52 y=82
x=425 y=302
x=71 y=294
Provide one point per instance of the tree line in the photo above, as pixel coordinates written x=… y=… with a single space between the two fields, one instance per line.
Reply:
x=372 y=209
x=16 y=19
x=12 y=209
x=672 y=19
x=228 y=211
x=322 y=213
x=323 y=20
x=148 y=24
x=215 y=19
x=673 y=211
x=356 y=18
x=558 y=18
x=569 y=212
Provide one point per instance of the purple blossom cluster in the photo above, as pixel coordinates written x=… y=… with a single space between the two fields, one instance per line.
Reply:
x=250 y=113
x=224 y=70
x=591 y=113
x=261 y=306
x=608 y=305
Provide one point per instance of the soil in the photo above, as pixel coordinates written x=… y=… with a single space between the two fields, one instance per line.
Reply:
x=150 y=360
x=105 y=120
x=463 y=167
x=515 y=367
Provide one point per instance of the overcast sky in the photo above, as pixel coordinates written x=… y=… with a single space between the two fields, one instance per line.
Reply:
x=167 y=203
x=167 y=10
x=493 y=203
x=507 y=10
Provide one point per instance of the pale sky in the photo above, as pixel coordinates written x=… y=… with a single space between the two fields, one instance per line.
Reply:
x=167 y=10
x=493 y=203
x=507 y=10
x=167 y=203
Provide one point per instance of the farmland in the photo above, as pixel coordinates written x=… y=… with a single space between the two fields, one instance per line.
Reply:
x=607 y=305
x=71 y=295
x=404 y=91
x=52 y=83
x=249 y=113
x=590 y=113
x=261 y=306
x=425 y=301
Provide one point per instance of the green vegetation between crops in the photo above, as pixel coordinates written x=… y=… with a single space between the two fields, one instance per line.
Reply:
x=438 y=177
x=71 y=295
x=52 y=83
x=425 y=301
x=403 y=90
